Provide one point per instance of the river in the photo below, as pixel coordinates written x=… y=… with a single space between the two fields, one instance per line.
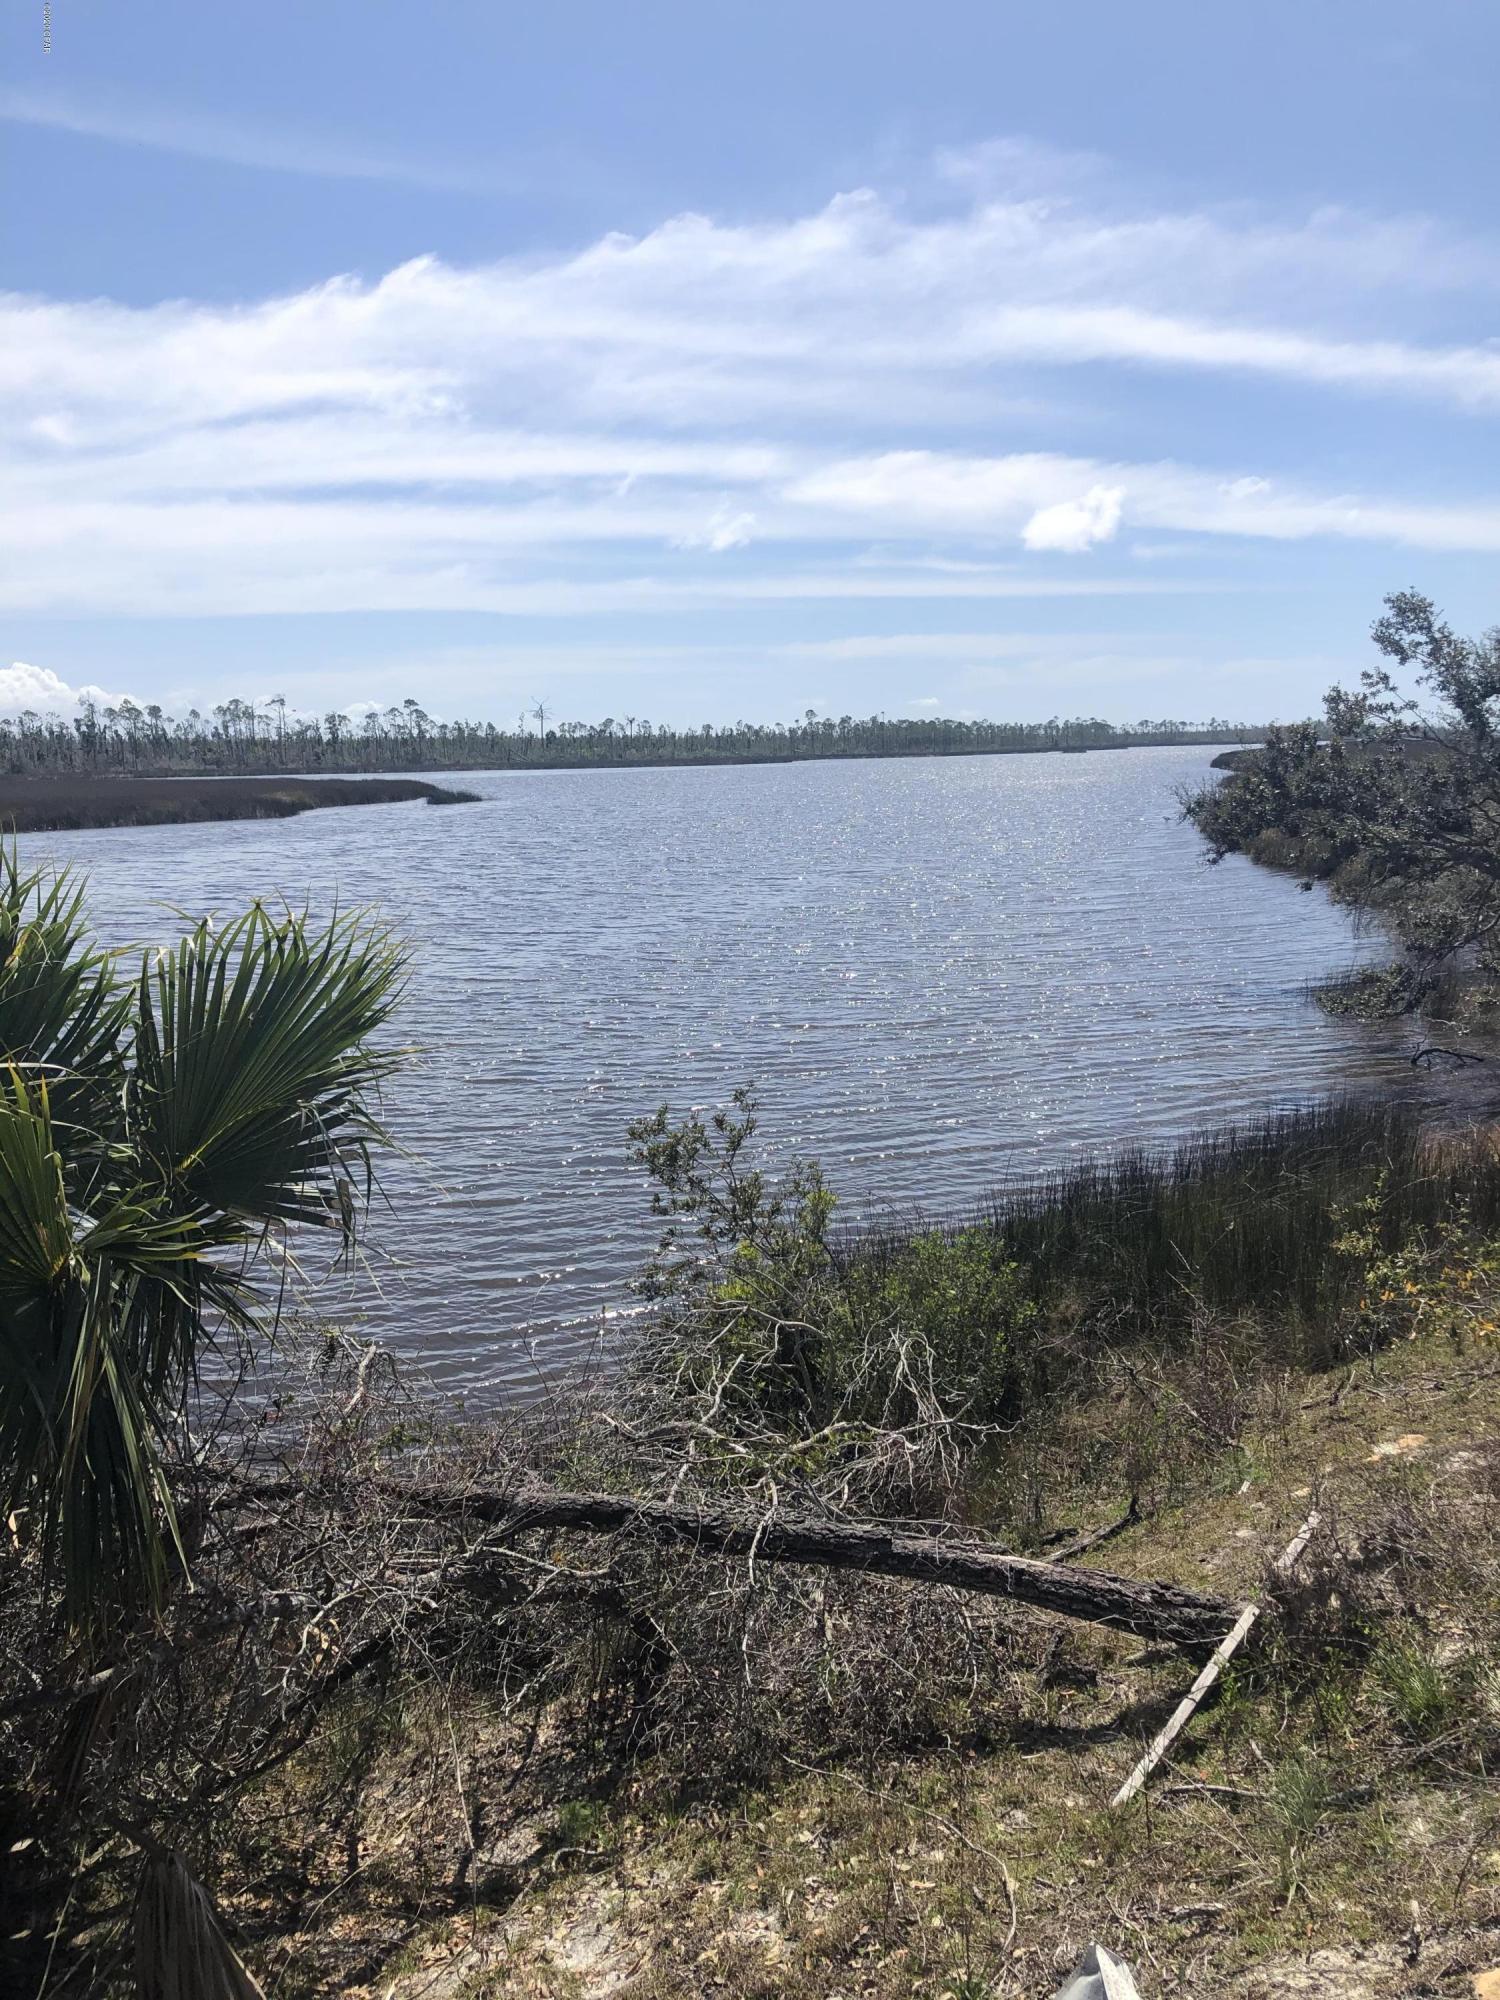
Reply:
x=939 y=974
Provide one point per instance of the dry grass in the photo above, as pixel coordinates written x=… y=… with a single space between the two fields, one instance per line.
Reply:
x=1335 y=1799
x=656 y=1777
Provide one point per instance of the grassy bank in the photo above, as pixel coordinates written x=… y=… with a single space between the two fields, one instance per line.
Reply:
x=56 y=804
x=1265 y=1233
x=625 y=1770
x=1327 y=1826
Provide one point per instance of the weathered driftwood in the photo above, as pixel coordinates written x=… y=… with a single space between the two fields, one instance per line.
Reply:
x=1161 y=1611
x=1229 y=1645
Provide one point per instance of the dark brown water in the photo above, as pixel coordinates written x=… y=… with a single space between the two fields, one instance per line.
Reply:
x=939 y=974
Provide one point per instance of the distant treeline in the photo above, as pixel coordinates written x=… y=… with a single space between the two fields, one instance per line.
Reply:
x=248 y=737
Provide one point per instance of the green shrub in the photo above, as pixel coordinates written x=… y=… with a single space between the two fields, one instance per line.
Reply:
x=969 y=1300
x=580 y=1823
x=1310 y=1230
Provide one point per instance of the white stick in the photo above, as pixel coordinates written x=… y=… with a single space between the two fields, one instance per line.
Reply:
x=1228 y=1645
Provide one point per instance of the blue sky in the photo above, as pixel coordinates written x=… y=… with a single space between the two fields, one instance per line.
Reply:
x=716 y=360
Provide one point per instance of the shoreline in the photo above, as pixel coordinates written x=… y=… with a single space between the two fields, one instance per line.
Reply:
x=1461 y=999
x=860 y=1609
x=665 y=761
x=75 y=803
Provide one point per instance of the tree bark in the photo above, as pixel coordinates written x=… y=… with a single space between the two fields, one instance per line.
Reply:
x=1159 y=1611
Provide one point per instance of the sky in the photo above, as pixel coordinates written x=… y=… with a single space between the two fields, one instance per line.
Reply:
x=719 y=360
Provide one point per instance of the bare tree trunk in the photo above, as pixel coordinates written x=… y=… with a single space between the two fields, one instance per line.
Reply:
x=1160 y=1611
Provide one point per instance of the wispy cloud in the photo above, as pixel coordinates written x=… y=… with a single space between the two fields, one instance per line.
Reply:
x=234 y=142
x=1066 y=335
x=724 y=529
x=852 y=404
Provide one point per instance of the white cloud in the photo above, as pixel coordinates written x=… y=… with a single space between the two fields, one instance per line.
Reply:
x=723 y=530
x=916 y=492
x=534 y=435
x=1071 y=526
x=38 y=689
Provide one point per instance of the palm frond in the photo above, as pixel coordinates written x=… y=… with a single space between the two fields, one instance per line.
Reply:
x=182 y=1950
x=63 y=1005
x=254 y=1072
x=36 y=1263
x=79 y=1448
x=244 y=1099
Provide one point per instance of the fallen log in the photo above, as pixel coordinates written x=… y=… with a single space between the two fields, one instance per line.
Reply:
x=1149 y=1610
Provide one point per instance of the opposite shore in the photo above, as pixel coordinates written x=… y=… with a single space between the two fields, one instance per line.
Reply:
x=242 y=738
x=69 y=799
x=72 y=801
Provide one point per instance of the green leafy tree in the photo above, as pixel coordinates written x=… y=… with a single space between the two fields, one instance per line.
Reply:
x=157 y=1129
x=1397 y=797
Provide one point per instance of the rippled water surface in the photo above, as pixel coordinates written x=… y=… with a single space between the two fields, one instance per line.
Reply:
x=939 y=974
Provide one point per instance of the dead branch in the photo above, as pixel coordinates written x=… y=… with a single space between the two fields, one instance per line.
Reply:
x=1070 y=1551
x=1286 y=1562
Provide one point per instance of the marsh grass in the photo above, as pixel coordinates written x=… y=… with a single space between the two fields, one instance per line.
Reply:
x=72 y=802
x=1273 y=1215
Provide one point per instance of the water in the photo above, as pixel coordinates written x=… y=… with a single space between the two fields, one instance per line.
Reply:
x=938 y=974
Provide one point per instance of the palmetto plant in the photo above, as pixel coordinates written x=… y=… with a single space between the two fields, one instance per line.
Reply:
x=157 y=1128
